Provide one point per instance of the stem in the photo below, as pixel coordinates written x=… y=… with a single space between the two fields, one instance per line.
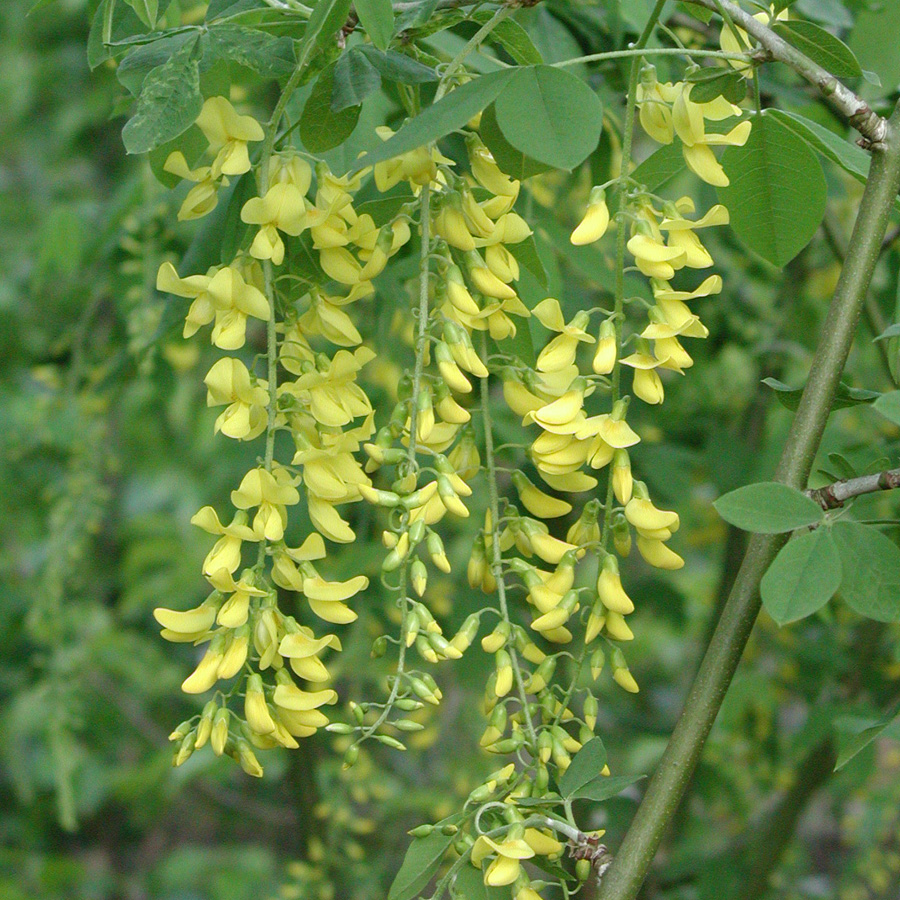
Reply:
x=872 y=313
x=639 y=51
x=838 y=96
x=472 y=45
x=835 y=495
x=496 y=552
x=665 y=790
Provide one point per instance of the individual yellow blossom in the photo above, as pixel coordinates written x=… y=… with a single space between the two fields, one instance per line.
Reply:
x=595 y=222
x=609 y=588
x=202 y=197
x=504 y=869
x=647 y=384
x=269 y=493
x=228 y=134
x=735 y=40
x=281 y=210
x=226 y=553
x=560 y=352
x=229 y=382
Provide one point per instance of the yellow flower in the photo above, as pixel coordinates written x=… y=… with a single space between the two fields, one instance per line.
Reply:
x=229 y=382
x=281 y=210
x=595 y=222
x=228 y=135
x=560 y=352
x=202 y=198
x=269 y=493
x=226 y=553
x=504 y=869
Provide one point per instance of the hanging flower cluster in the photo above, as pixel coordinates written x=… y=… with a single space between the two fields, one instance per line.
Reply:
x=426 y=458
x=275 y=662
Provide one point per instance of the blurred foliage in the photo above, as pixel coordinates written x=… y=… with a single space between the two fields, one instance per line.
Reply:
x=107 y=451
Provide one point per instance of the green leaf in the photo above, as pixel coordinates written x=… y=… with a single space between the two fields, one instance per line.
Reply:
x=169 y=103
x=661 y=166
x=832 y=12
x=714 y=81
x=550 y=115
x=584 y=768
x=146 y=10
x=138 y=64
x=469 y=885
x=526 y=254
x=803 y=577
x=513 y=38
x=509 y=160
x=328 y=17
x=768 y=508
x=889 y=406
x=354 y=79
x=890 y=332
x=854 y=734
x=605 y=786
x=377 y=18
x=777 y=191
x=448 y=114
x=820 y=46
x=398 y=66
x=871 y=563
x=844 y=397
x=874 y=39
x=422 y=860
x=265 y=54
x=848 y=156
x=321 y=128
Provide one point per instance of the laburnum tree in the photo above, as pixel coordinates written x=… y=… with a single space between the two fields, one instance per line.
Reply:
x=438 y=266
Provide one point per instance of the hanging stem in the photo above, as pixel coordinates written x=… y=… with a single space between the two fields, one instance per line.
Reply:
x=496 y=552
x=624 y=879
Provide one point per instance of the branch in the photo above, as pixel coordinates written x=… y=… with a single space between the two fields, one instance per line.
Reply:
x=839 y=97
x=664 y=793
x=835 y=495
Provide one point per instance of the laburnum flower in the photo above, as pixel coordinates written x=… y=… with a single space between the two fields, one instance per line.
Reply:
x=202 y=197
x=228 y=134
x=418 y=167
x=733 y=39
x=681 y=230
x=673 y=307
x=504 y=868
x=595 y=222
x=229 y=382
x=282 y=209
x=221 y=295
x=334 y=397
x=647 y=384
x=302 y=648
x=654 y=99
x=487 y=173
x=688 y=119
x=269 y=493
x=560 y=352
x=235 y=611
x=326 y=318
x=226 y=552
x=654 y=527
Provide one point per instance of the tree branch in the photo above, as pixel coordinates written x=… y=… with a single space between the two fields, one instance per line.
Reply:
x=839 y=97
x=837 y=494
x=667 y=786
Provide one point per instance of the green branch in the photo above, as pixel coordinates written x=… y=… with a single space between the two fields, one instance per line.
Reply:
x=667 y=786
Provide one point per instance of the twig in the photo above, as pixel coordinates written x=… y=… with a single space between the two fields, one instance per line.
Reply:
x=851 y=106
x=837 y=494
